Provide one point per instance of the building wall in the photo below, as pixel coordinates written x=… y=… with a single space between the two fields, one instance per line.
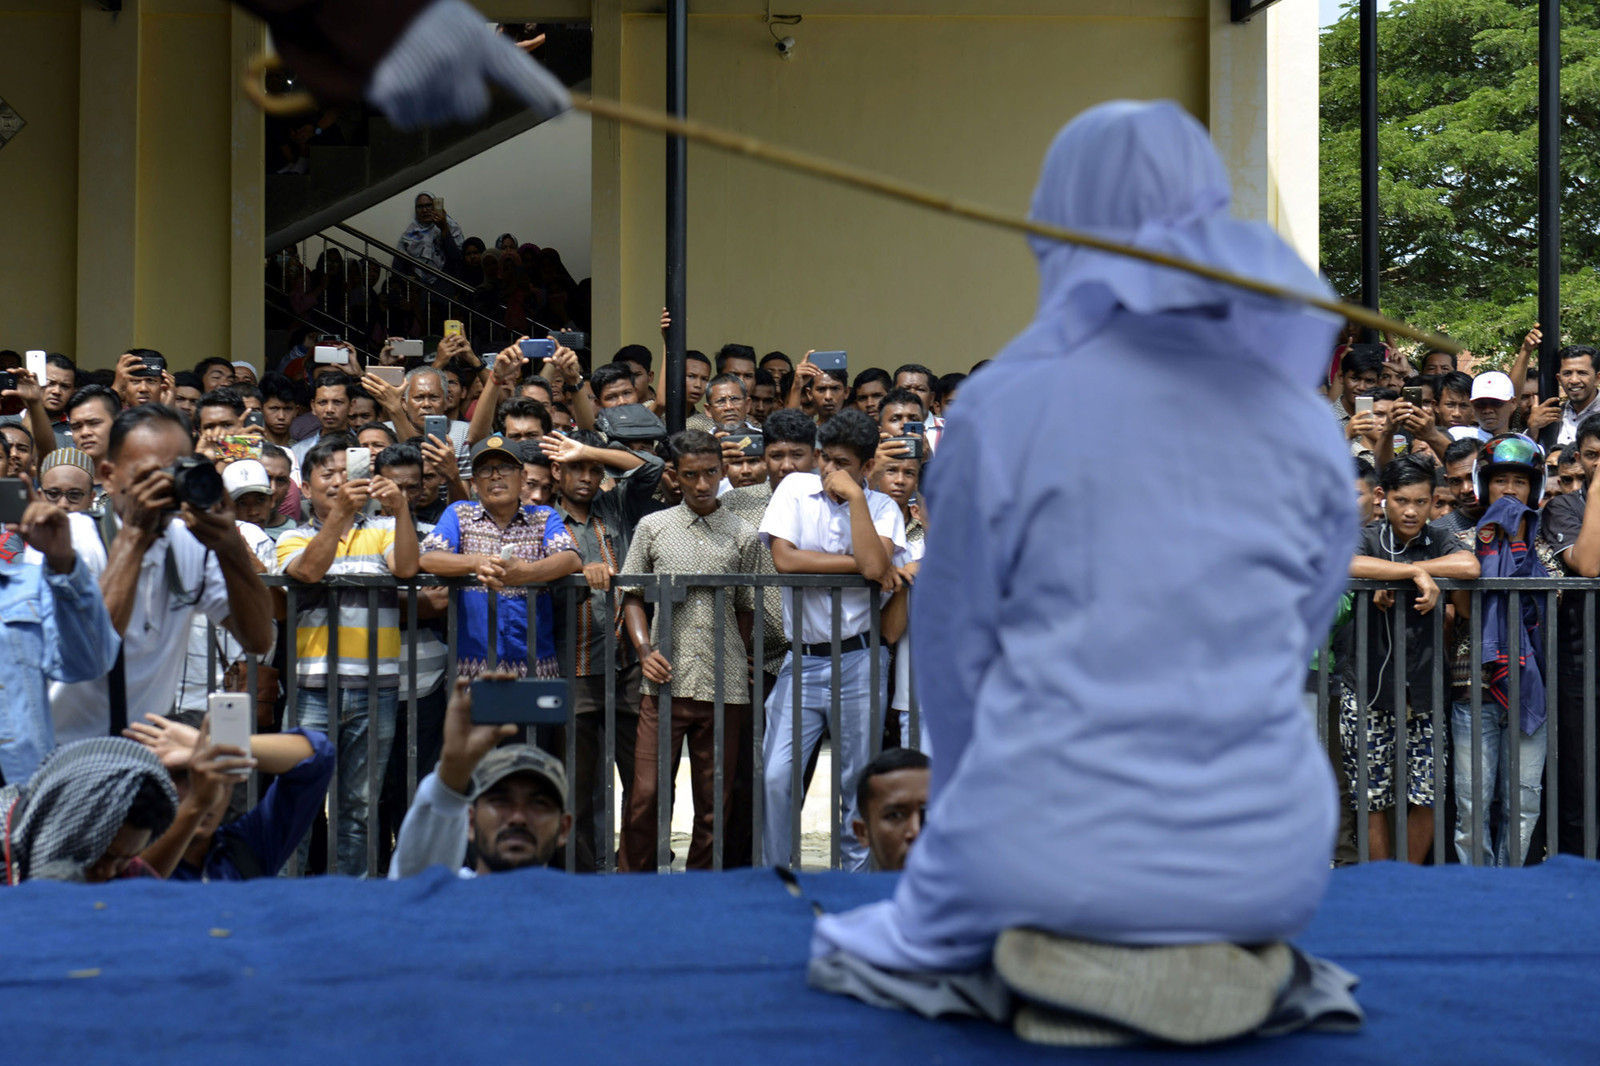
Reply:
x=536 y=186
x=123 y=184
x=39 y=176
x=138 y=190
x=184 y=234
x=963 y=101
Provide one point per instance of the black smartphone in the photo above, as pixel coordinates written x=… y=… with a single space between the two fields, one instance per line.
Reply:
x=1413 y=395
x=150 y=366
x=524 y=701
x=13 y=499
x=436 y=426
x=839 y=361
x=571 y=338
x=913 y=446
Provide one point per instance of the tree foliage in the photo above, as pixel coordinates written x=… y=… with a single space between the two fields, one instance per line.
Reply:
x=1458 y=93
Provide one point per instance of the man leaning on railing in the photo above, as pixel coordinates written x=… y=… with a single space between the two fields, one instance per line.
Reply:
x=1400 y=546
x=506 y=546
x=342 y=540
x=828 y=524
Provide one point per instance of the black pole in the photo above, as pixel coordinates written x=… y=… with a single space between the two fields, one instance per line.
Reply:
x=677 y=206
x=1369 y=158
x=1549 y=193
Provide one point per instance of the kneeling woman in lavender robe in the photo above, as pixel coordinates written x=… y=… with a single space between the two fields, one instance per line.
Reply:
x=1141 y=518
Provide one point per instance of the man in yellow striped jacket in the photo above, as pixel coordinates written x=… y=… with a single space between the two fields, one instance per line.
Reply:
x=342 y=540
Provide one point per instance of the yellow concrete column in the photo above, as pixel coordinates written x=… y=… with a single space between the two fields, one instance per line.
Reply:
x=108 y=182
x=247 y=220
x=39 y=175
x=1263 y=116
x=605 y=210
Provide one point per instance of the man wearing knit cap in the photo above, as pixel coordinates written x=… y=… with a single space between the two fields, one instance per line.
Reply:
x=66 y=479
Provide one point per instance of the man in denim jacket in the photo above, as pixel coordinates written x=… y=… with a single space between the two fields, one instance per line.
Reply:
x=56 y=628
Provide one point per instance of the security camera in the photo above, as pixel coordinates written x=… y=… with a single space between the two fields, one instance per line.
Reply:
x=786 y=47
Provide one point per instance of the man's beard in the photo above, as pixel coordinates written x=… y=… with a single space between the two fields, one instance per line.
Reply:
x=490 y=857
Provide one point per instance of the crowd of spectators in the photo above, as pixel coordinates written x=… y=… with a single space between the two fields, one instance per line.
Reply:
x=167 y=505
x=162 y=498
x=512 y=288
x=1462 y=475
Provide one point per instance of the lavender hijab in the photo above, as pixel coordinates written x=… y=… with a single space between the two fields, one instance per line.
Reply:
x=1119 y=599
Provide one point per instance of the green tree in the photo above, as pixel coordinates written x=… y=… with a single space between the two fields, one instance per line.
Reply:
x=1458 y=93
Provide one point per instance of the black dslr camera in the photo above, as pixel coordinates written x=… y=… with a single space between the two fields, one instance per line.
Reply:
x=195 y=482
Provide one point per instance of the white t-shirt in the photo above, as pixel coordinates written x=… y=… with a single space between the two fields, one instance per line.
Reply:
x=157 y=638
x=192 y=683
x=902 y=654
x=803 y=514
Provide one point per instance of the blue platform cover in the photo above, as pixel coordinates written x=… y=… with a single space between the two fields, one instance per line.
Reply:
x=1458 y=965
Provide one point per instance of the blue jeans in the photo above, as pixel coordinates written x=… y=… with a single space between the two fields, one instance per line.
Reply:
x=356 y=793
x=853 y=747
x=1494 y=776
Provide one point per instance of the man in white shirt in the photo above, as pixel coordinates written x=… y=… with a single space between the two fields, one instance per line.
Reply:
x=512 y=801
x=426 y=392
x=1576 y=370
x=162 y=562
x=828 y=523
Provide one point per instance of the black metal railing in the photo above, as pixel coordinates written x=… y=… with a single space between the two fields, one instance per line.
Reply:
x=1342 y=666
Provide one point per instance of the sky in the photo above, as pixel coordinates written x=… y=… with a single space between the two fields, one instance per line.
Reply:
x=1328 y=10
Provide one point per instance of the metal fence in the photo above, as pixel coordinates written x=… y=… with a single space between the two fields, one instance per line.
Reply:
x=1456 y=789
x=568 y=597
x=1342 y=667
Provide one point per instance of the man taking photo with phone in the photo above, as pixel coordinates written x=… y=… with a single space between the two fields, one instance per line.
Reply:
x=342 y=540
x=509 y=801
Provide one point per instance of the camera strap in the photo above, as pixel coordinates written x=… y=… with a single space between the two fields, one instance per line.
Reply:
x=106 y=525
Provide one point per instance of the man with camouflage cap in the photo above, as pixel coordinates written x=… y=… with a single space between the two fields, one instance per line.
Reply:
x=511 y=801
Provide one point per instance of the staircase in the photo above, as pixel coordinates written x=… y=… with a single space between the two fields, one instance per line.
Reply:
x=378 y=161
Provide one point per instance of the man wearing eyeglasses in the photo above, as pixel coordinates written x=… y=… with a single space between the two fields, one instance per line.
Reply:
x=66 y=479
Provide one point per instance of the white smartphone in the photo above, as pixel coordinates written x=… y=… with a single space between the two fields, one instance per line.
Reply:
x=508 y=553
x=408 y=349
x=329 y=353
x=357 y=463
x=34 y=363
x=1364 y=405
x=230 y=721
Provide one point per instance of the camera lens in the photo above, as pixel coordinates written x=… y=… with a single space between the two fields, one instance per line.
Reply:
x=196 y=483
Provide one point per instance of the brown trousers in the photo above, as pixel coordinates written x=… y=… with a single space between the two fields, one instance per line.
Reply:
x=693 y=721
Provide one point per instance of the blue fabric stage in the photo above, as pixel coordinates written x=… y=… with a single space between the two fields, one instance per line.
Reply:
x=1457 y=965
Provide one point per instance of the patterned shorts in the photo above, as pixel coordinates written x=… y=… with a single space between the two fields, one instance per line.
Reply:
x=1380 y=741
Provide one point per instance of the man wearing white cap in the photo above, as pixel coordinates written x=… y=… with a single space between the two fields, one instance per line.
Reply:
x=1493 y=399
x=250 y=489
x=245 y=373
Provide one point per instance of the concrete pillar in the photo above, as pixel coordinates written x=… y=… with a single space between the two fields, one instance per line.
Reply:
x=1262 y=114
x=247 y=219
x=108 y=181
x=606 y=222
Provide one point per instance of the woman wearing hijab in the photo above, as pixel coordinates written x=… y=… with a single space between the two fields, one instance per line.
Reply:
x=87 y=813
x=1112 y=685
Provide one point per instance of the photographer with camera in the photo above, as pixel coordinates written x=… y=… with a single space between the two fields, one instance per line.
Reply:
x=168 y=548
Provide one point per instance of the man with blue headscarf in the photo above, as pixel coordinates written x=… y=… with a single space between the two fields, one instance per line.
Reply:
x=1126 y=784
